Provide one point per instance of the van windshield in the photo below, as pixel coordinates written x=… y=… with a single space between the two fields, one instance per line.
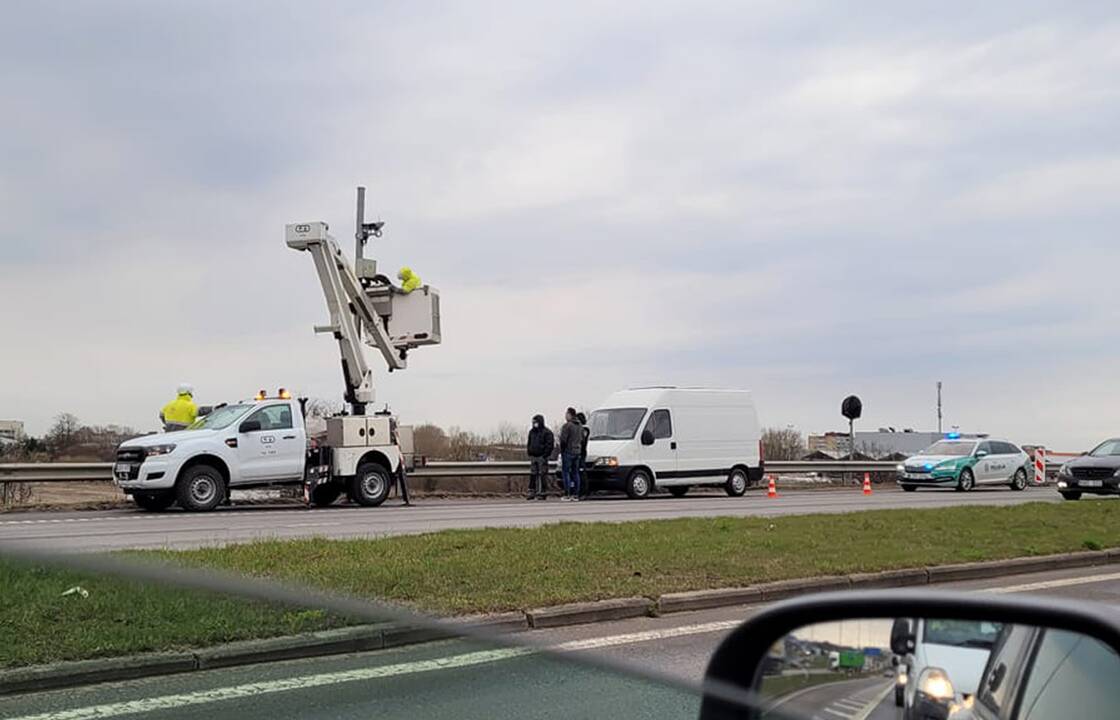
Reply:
x=615 y=423
x=961 y=633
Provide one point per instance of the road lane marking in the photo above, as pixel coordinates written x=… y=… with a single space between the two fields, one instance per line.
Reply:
x=647 y=636
x=1064 y=582
x=875 y=702
x=169 y=702
x=849 y=704
x=837 y=713
x=200 y=697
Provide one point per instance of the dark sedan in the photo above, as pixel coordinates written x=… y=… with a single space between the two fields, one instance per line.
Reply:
x=1096 y=472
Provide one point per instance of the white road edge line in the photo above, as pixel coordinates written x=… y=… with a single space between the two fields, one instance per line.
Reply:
x=169 y=702
x=1064 y=582
x=837 y=713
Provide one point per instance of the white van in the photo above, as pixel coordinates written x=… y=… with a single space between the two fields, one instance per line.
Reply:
x=944 y=660
x=674 y=438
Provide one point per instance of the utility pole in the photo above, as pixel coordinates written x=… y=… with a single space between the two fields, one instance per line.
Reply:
x=938 y=407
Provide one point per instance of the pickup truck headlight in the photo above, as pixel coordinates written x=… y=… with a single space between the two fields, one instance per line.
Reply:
x=159 y=449
x=607 y=461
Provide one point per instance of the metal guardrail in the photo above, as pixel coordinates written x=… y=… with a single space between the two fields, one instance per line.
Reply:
x=102 y=472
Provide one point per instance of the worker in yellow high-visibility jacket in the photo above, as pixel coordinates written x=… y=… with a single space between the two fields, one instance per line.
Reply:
x=409 y=280
x=180 y=412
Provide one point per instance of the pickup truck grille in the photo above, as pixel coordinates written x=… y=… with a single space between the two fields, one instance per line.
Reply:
x=131 y=455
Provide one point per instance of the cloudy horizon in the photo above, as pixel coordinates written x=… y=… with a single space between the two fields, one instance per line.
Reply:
x=795 y=198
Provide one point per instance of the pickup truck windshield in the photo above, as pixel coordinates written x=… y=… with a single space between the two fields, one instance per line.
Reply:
x=615 y=423
x=221 y=418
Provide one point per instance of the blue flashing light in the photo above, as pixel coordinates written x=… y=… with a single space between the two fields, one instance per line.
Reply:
x=929 y=466
x=953 y=436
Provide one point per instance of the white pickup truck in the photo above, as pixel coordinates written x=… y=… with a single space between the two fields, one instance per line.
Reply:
x=260 y=443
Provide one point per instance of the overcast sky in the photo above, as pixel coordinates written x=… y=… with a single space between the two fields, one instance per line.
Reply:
x=804 y=199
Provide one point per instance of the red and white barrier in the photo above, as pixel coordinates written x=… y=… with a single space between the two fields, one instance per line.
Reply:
x=1040 y=466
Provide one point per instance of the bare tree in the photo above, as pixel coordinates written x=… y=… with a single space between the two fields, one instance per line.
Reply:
x=317 y=407
x=465 y=446
x=60 y=437
x=431 y=441
x=782 y=444
x=507 y=434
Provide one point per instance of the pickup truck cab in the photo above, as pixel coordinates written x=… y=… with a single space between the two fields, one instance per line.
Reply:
x=251 y=444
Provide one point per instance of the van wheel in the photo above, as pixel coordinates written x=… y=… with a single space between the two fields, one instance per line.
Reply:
x=1071 y=496
x=371 y=485
x=678 y=490
x=200 y=488
x=736 y=483
x=966 y=481
x=324 y=495
x=639 y=484
x=156 y=501
x=1019 y=482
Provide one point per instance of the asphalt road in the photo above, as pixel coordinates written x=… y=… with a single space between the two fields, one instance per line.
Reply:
x=463 y=681
x=133 y=528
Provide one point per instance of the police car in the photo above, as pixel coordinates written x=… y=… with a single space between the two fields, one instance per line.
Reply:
x=964 y=463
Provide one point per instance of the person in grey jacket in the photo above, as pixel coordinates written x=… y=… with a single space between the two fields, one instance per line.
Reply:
x=571 y=447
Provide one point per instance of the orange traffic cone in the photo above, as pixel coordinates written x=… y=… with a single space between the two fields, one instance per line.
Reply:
x=867 y=483
x=772 y=491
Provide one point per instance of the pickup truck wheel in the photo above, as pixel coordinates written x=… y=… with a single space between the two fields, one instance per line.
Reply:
x=200 y=488
x=736 y=483
x=371 y=485
x=639 y=484
x=678 y=490
x=325 y=495
x=155 y=501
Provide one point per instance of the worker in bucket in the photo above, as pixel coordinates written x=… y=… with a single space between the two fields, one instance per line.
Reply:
x=409 y=280
x=180 y=412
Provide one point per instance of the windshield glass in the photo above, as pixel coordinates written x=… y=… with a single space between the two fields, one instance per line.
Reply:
x=220 y=418
x=954 y=448
x=960 y=633
x=1108 y=448
x=616 y=423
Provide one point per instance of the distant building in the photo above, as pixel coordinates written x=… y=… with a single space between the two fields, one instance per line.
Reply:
x=11 y=431
x=880 y=444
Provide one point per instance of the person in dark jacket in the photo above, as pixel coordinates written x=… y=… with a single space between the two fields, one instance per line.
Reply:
x=584 y=434
x=571 y=443
x=539 y=448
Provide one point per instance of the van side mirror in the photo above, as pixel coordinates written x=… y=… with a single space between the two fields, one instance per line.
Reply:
x=902 y=637
x=647 y=437
x=249 y=426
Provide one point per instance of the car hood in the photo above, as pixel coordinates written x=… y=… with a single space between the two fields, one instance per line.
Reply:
x=931 y=460
x=168 y=438
x=964 y=665
x=599 y=448
x=1111 y=462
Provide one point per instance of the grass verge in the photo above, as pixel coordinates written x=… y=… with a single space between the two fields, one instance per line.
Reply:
x=465 y=571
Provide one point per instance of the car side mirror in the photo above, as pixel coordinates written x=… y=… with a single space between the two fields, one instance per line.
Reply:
x=853 y=636
x=249 y=426
x=981 y=453
x=647 y=437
